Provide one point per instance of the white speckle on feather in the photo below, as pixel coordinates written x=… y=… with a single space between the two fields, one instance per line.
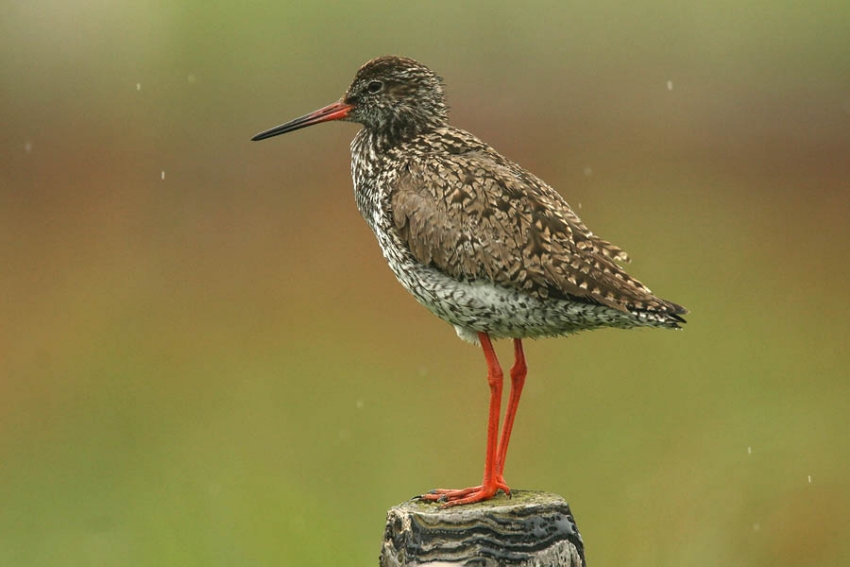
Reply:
x=138 y=86
x=162 y=175
x=749 y=450
x=669 y=85
x=28 y=147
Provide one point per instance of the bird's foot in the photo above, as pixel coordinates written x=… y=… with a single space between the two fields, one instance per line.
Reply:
x=458 y=497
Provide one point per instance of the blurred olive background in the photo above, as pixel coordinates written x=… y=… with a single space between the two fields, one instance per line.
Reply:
x=205 y=361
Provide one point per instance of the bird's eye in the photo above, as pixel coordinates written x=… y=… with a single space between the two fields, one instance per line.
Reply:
x=374 y=86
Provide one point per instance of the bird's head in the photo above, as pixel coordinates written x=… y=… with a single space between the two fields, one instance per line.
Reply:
x=396 y=93
x=393 y=96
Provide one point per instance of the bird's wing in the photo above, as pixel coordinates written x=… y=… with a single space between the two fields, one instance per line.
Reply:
x=476 y=216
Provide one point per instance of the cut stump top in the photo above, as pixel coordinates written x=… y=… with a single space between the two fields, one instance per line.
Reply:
x=531 y=529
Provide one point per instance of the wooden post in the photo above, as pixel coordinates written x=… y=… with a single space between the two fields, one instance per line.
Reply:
x=531 y=529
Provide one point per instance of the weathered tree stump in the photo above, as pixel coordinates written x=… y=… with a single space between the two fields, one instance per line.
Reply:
x=532 y=529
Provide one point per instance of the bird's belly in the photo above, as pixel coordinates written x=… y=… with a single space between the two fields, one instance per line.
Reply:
x=482 y=306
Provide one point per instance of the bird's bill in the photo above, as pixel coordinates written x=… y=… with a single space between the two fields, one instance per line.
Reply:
x=335 y=111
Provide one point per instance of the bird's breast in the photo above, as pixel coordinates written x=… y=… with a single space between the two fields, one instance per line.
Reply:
x=364 y=173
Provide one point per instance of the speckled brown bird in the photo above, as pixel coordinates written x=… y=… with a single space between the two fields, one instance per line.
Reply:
x=481 y=242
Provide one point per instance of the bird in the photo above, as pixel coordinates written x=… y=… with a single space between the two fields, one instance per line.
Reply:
x=479 y=241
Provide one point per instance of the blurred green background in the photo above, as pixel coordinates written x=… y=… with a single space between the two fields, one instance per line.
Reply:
x=205 y=361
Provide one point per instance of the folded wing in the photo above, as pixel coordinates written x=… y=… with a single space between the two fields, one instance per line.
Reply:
x=484 y=218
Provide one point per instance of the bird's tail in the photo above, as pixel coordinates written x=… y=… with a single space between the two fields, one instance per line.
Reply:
x=667 y=314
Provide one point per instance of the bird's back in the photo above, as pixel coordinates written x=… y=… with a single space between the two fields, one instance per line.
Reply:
x=463 y=209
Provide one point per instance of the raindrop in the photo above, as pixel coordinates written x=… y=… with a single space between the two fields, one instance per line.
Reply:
x=162 y=175
x=138 y=86
x=749 y=450
x=669 y=85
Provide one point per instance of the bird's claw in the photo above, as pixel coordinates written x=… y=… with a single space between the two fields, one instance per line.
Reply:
x=455 y=497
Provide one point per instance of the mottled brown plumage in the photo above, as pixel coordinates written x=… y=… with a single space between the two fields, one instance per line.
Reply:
x=481 y=242
x=475 y=215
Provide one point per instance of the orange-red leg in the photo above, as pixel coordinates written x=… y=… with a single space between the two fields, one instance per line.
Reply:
x=492 y=482
x=518 y=373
